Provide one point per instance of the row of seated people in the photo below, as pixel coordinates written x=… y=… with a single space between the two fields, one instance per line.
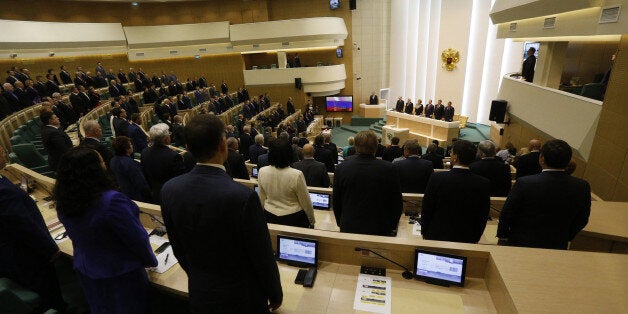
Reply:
x=544 y=210
x=438 y=111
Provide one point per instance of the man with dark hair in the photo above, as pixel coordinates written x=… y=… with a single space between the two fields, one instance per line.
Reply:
x=315 y=172
x=435 y=158
x=235 y=162
x=548 y=209
x=400 y=105
x=322 y=153
x=492 y=168
x=206 y=212
x=529 y=163
x=414 y=172
x=393 y=151
x=28 y=252
x=359 y=184
x=55 y=141
x=527 y=69
x=456 y=202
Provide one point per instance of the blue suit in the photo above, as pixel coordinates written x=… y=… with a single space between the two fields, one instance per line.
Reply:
x=138 y=138
x=26 y=246
x=111 y=249
x=207 y=213
x=130 y=178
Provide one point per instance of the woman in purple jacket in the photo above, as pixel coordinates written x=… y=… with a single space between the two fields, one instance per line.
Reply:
x=111 y=247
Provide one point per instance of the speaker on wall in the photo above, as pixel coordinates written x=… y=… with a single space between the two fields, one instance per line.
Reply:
x=297 y=82
x=353 y=4
x=498 y=111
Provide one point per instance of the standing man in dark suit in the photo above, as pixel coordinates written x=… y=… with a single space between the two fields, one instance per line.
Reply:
x=429 y=109
x=400 y=105
x=548 y=209
x=206 y=212
x=373 y=100
x=224 y=88
x=456 y=202
x=418 y=109
x=492 y=168
x=393 y=151
x=93 y=140
x=12 y=100
x=257 y=149
x=315 y=172
x=449 y=112
x=359 y=185
x=28 y=252
x=235 y=162
x=122 y=77
x=527 y=69
x=409 y=106
x=434 y=157
x=414 y=172
x=177 y=131
x=245 y=141
x=439 y=110
x=113 y=89
x=439 y=150
x=137 y=135
x=290 y=106
x=55 y=141
x=65 y=76
x=528 y=164
x=159 y=162
x=78 y=104
x=322 y=153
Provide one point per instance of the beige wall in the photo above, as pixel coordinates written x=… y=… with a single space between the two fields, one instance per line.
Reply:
x=607 y=170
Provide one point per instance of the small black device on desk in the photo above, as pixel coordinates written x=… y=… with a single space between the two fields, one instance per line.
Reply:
x=299 y=252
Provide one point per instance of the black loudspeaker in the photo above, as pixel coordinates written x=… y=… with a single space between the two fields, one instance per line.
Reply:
x=498 y=111
x=353 y=4
x=297 y=82
x=501 y=131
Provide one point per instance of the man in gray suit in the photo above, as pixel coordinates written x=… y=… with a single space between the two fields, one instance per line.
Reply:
x=314 y=171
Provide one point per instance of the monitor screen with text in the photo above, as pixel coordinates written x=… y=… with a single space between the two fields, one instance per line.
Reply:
x=297 y=251
x=439 y=267
x=320 y=200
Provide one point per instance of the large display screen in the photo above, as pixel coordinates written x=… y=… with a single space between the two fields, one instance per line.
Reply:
x=440 y=268
x=297 y=251
x=339 y=103
x=320 y=200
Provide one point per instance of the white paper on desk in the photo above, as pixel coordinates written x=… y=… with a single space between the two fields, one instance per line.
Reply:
x=164 y=265
x=416 y=229
x=157 y=240
x=373 y=294
x=59 y=236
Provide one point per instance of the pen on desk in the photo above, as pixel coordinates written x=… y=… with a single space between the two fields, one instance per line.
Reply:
x=166 y=261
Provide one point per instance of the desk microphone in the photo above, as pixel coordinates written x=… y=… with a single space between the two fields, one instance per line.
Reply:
x=407 y=274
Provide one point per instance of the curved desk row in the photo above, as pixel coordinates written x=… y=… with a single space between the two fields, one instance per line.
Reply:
x=499 y=279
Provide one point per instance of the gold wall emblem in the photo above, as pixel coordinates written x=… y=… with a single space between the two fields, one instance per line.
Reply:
x=450 y=59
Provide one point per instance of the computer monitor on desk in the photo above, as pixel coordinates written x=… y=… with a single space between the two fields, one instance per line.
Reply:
x=297 y=251
x=439 y=268
x=320 y=200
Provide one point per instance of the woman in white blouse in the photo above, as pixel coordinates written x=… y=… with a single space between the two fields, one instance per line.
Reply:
x=282 y=189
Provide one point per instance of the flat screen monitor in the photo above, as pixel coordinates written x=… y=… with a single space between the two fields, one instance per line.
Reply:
x=334 y=4
x=439 y=268
x=254 y=172
x=297 y=251
x=339 y=52
x=320 y=200
x=339 y=103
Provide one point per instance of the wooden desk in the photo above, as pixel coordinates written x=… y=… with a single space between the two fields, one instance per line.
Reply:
x=373 y=111
x=607 y=230
x=500 y=279
x=424 y=129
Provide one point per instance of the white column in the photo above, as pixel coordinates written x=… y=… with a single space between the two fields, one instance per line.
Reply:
x=433 y=55
x=422 y=49
x=398 y=44
x=411 y=49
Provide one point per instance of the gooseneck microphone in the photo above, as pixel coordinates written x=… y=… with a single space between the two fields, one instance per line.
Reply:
x=407 y=274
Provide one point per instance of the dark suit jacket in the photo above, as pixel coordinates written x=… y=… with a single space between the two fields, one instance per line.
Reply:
x=322 y=154
x=439 y=111
x=333 y=148
x=52 y=87
x=160 y=164
x=130 y=178
x=528 y=164
x=359 y=207
x=255 y=151
x=114 y=91
x=455 y=206
x=25 y=243
x=436 y=159
x=419 y=110
x=527 y=70
x=207 y=213
x=496 y=171
x=78 y=104
x=177 y=135
x=56 y=143
x=315 y=172
x=409 y=108
x=138 y=138
x=373 y=100
x=237 y=169
x=414 y=173
x=121 y=126
x=65 y=77
x=429 y=110
x=245 y=142
x=545 y=210
x=399 y=106
x=391 y=152
x=101 y=148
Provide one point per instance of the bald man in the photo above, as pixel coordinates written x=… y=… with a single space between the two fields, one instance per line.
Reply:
x=314 y=171
x=235 y=162
x=529 y=163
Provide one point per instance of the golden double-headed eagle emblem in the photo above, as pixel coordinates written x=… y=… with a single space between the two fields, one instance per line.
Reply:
x=450 y=58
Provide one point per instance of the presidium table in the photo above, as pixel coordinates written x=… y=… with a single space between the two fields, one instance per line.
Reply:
x=406 y=126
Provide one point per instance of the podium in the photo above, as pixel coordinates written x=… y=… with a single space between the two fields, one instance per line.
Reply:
x=389 y=131
x=373 y=111
x=424 y=129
